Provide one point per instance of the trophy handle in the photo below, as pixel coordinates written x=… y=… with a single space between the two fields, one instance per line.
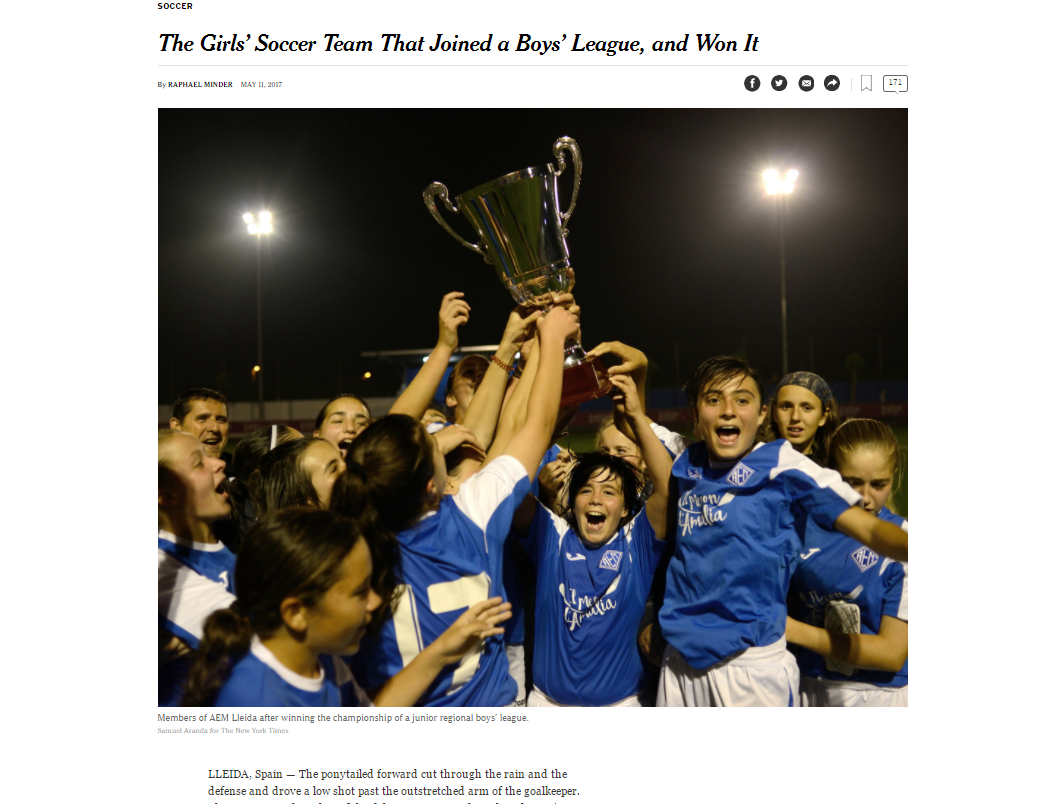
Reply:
x=439 y=189
x=568 y=144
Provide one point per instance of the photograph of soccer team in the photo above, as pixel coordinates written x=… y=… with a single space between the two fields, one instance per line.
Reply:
x=551 y=408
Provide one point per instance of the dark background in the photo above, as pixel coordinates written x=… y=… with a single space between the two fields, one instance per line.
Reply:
x=673 y=238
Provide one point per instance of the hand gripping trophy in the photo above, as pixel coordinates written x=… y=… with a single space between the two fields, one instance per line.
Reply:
x=522 y=234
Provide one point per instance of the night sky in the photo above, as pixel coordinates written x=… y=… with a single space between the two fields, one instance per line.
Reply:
x=673 y=238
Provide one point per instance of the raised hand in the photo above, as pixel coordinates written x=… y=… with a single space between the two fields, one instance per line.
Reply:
x=633 y=360
x=559 y=322
x=551 y=480
x=518 y=328
x=624 y=396
x=452 y=315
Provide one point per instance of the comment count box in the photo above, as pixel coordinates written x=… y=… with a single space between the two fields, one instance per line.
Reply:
x=895 y=83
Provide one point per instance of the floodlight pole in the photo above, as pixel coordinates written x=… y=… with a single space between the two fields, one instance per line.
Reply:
x=261 y=362
x=784 y=305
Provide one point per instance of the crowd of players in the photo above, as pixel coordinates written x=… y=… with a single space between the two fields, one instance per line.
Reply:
x=458 y=557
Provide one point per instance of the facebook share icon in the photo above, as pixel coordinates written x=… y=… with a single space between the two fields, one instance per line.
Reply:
x=751 y=83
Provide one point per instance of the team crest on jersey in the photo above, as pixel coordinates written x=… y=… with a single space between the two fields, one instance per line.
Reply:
x=740 y=474
x=611 y=559
x=865 y=558
x=694 y=474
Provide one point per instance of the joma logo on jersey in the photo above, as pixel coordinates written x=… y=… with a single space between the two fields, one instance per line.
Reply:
x=612 y=559
x=740 y=474
x=865 y=558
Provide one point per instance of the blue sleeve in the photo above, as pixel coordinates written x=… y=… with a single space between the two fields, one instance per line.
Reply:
x=894 y=591
x=489 y=499
x=821 y=493
x=649 y=549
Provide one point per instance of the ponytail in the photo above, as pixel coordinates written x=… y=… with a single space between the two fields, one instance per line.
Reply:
x=352 y=497
x=384 y=490
x=226 y=640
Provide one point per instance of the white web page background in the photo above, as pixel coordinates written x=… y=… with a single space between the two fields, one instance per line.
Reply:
x=93 y=313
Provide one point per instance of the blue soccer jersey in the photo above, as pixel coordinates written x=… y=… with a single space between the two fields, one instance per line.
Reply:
x=834 y=567
x=194 y=581
x=589 y=603
x=451 y=560
x=258 y=679
x=736 y=544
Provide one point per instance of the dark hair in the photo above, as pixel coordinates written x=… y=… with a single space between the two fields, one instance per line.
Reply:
x=279 y=481
x=866 y=434
x=384 y=489
x=320 y=416
x=293 y=553
x=246 y=459
x=451 y=412
x=769 y=431
x=716 y=372
x=588 y=464
x=252 y=448
x=183 y=405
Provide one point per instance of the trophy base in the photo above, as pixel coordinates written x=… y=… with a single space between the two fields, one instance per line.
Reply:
x=584 y=381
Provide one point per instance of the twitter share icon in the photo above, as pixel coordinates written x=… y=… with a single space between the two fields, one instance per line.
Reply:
x=779 y=82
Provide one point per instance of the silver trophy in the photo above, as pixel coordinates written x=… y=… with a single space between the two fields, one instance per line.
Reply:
x=522 y=234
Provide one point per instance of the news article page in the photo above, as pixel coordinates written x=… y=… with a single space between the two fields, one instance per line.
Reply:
x=541 y=379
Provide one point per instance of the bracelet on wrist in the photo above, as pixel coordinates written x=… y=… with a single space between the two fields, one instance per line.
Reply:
x=498 y=361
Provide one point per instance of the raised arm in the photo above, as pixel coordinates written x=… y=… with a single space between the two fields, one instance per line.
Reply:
x=528 y=446
x=514 y=413
x=415 y=399
x=485 y=407
x=658 y=461
x=878 y=535
x=885 y=651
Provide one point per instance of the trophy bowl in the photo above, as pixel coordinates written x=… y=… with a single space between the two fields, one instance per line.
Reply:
x=523 y=234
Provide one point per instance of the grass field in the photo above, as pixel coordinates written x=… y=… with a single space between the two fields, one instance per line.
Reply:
x=582 y=441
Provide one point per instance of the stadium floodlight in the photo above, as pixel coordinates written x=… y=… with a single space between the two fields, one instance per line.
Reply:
x=248 y=218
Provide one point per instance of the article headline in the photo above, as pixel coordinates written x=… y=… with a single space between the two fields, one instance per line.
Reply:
x=455 y=43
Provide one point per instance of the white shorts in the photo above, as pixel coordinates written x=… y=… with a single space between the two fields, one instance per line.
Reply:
x=539 y=698
x=766 y=676
x=822 y=692
x=518 y=670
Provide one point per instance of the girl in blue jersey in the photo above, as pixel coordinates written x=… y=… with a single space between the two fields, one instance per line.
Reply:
x=449 y=547
x=804 y=413
x=595 y=567
x=194 y=569
x=735 y=507
x=853 y=615
x=305 y=600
